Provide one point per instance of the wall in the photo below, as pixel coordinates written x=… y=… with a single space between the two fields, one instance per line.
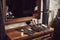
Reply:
x=54 y=5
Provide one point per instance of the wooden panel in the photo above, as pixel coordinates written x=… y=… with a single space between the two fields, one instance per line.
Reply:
x=39 y=7
x=2 y=30
x=4 y=10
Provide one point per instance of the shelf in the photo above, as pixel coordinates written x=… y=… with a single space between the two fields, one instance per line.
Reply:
x=17 y=20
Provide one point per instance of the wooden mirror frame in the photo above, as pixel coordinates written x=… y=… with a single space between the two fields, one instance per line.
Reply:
x=24 y=19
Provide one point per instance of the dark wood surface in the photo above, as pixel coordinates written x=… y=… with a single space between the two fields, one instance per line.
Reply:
x=17 y=20
x=13 y=35
x=16 y=35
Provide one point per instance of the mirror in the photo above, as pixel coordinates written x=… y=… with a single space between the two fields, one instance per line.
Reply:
x=16 y=11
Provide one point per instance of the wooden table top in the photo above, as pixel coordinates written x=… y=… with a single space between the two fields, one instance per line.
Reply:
x=13 y=34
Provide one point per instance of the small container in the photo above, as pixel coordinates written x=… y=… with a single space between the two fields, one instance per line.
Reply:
x=22 y=33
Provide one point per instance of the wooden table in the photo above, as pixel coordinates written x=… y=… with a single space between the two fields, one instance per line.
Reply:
x=16 y=35
x=13 y=35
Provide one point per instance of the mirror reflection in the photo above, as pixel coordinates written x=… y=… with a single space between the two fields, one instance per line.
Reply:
x=20 y=8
